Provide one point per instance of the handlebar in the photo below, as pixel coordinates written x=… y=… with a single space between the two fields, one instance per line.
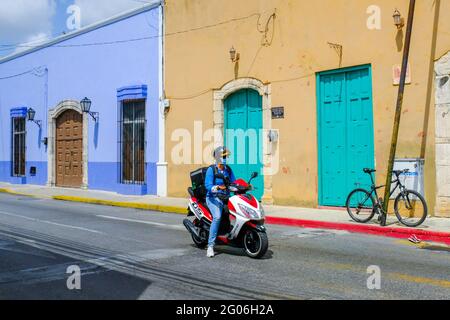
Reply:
x=396 y=172
x=401 y=171
x=237 y=188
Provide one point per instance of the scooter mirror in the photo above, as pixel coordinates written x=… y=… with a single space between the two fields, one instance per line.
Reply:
x=254 y=175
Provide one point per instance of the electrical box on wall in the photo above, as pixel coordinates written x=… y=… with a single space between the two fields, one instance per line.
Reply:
x=414 y=179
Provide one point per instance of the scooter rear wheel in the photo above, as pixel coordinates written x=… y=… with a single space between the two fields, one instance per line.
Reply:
x=256 y=243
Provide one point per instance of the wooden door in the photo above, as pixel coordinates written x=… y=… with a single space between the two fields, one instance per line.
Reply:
x=69 y=149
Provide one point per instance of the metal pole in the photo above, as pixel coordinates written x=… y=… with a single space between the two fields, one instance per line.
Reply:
x=398 y=109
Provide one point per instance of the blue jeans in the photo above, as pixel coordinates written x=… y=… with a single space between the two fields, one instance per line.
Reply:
x=215 y=207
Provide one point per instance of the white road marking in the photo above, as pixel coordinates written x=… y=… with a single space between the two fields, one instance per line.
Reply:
x=163 y=225
x=49 y=222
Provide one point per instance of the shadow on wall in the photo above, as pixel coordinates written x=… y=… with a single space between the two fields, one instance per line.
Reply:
x=39 y=142
x=96 y=130
x=430 y=84
x=399 y=40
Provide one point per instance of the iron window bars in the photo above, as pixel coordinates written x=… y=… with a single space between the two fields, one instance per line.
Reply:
x=18 y=147
x=132 y=142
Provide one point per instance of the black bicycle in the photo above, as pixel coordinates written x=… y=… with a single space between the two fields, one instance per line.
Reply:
x=410 y=206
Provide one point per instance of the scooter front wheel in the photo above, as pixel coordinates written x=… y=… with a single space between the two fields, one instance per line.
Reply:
x=256 y=243
x=199 y=243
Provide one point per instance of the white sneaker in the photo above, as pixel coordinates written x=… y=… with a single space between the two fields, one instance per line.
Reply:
x=210 y=252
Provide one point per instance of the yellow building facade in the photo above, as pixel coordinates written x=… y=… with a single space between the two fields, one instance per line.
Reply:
x=295 y=54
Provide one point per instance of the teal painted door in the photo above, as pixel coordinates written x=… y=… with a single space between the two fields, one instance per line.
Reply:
x=345 y=125
x=243 y=136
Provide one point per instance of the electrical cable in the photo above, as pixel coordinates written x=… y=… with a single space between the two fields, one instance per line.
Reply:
x=36 y=71
x=135 y=39
x=196 y=95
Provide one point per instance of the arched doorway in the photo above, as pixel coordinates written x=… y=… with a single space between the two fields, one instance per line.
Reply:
x=270 y=150
x=243 y=124
x=67 y=146
x=69 y=149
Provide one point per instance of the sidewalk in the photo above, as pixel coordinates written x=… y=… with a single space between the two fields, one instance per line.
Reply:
x=433 y=229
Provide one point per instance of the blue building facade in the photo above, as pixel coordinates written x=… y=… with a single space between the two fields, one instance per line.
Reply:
x=47 y=139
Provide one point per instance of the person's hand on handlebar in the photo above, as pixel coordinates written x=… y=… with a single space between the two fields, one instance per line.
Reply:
x=222 y=187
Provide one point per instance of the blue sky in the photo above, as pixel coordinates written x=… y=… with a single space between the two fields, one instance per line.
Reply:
x=30 y=22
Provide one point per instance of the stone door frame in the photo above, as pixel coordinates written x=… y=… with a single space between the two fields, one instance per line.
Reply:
x=264 y=90
x=51 y=164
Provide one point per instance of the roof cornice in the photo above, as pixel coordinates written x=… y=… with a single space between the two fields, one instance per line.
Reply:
x=83 y=30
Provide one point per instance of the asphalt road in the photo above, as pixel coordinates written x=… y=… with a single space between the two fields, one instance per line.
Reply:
x=133 y=254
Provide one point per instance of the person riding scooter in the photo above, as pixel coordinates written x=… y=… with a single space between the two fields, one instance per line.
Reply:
x=216 y=189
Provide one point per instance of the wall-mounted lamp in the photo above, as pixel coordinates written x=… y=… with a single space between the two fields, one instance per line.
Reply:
x=86 y=108
x=234 y=56
x=398 y=20
x=31 y=113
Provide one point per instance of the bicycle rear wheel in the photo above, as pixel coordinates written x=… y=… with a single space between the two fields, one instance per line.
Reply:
x=410 y=208
x=360 y=205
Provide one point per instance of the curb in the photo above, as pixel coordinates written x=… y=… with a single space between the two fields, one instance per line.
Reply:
x=9 y=191
x=398 y=233
x=134 y=205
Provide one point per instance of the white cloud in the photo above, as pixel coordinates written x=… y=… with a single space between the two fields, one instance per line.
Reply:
x=33 y=40
x=96 y=10
x=25 y=20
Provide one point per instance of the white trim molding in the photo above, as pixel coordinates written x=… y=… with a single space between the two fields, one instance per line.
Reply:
x=52 y=116
x=264 y=91
x=442 y=73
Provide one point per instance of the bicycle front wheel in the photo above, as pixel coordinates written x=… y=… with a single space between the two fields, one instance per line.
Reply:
x=410 y=208
x=360 y=205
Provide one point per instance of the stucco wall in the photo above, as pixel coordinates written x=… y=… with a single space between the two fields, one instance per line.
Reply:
x=198 y=62
x=75 y=71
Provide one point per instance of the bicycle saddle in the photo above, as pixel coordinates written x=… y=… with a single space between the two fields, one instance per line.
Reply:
x=367 y=170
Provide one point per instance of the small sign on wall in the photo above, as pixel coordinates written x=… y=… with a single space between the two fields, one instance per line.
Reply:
x=278 y=113
x=396 y=73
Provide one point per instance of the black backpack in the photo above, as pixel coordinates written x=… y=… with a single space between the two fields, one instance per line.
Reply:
x=198 y=180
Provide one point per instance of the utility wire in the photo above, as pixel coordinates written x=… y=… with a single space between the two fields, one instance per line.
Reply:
x=135 y=39
x=196 y=95
x=38 y=71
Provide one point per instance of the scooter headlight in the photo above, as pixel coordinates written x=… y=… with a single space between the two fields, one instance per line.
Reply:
x=249 y=212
